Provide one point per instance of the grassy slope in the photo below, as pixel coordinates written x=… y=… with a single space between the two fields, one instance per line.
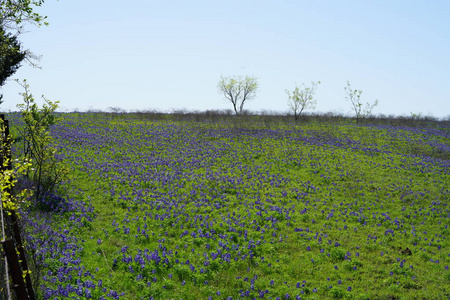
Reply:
x=315 y=210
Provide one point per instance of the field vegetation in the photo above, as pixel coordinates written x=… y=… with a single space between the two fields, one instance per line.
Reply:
x=213 y=206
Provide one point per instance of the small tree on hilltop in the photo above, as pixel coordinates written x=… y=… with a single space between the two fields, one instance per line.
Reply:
x=355 y=99
x=302 y=98
x=238 y=90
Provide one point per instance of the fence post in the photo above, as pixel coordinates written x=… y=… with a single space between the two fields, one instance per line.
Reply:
x=3 y=260
x=16 y=274
x=4 y=224
x=11 y=254
x=3 y=142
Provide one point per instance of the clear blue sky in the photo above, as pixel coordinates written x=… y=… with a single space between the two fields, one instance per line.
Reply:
x=165 y=55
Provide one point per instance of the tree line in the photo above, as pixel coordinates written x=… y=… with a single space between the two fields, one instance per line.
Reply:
x=238 y=90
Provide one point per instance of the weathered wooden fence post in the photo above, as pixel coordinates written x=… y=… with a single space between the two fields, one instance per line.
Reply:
x=14 y=267
x=10 y=246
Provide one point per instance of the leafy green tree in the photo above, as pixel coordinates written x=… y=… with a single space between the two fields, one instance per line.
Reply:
x=302 y=98
x=361 y=111
x=46 y=172
x=11 y=56
x=14 y=14
x=238 y=90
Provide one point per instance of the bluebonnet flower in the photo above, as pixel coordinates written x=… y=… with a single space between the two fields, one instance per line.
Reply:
x=87 y=293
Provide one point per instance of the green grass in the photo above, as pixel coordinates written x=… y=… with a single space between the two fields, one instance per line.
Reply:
x=325 y=211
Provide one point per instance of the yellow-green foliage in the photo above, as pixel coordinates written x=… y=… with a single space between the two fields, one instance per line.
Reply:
x=8 y=178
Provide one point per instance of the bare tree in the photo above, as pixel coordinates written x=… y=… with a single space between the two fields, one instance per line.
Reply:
x=238 y=90
x=355 y=99
x=302 y=98
x=116 y=110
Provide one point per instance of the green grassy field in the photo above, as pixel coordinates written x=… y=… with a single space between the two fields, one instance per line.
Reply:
x=245 y=210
